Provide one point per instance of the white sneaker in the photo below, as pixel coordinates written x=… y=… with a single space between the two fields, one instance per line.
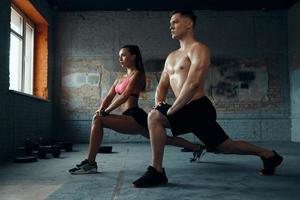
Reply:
x=198 y=155
x=84 y=168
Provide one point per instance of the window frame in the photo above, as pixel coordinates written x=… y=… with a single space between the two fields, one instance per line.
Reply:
x=25 y=21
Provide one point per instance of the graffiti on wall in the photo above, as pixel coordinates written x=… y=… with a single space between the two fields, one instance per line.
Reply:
x=79 y=87
x=86 y=81
x=232 y=84
x=295 y=81
x=237 y=80
x=295 y=89
x=243 y=84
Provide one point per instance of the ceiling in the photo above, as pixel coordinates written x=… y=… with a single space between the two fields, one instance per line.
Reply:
x=166 y=5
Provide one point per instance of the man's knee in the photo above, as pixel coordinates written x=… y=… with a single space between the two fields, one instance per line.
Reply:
x=154 y=116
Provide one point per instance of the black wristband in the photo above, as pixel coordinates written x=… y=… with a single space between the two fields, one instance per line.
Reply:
x=163 y=108
x=103 y=113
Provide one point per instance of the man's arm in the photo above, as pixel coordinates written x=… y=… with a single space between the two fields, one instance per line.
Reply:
x=200 y=61
x=162 y=87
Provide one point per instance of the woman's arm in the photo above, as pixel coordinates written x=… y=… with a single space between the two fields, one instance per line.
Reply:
x=119 y=100
x=109 y=97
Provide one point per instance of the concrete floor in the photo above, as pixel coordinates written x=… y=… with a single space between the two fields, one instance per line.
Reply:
x=215 y=177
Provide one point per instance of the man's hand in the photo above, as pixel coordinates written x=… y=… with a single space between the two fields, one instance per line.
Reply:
x=159 y=104
x=162 y=107
x=170 y=111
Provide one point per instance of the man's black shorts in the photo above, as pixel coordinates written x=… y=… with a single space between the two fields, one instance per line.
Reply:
x=199 y=117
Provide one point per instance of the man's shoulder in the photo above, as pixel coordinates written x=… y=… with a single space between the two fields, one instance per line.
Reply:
x=198 y=47
x=172 y=54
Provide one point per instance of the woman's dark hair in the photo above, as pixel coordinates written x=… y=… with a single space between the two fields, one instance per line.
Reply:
x=134 y=49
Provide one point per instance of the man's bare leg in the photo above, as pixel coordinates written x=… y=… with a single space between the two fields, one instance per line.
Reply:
x=271 y=159
x=158 y=138
x=155 y=174
x=230 y=146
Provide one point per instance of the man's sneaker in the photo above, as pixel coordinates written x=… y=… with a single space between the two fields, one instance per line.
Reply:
x=270 y=164
x=84 y=168
x=151 y=178
x=197 y=155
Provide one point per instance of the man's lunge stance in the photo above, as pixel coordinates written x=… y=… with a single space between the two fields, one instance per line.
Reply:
x=184 y=71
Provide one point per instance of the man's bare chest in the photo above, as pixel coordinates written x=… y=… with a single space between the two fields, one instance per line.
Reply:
x=178 y=64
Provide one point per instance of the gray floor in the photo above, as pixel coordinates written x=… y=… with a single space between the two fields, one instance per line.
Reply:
x=215 y=177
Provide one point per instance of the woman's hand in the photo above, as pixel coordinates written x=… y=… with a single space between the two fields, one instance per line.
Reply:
x=103 y=113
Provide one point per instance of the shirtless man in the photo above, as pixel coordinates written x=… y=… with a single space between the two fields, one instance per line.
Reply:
x=184 y=71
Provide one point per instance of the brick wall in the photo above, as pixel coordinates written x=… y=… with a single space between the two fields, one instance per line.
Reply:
x=294 y=63
x=253 y=40
x=5 y=134
x=21 y=115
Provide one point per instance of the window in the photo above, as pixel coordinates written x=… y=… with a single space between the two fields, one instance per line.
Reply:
x=28 y=69
x=21 y=61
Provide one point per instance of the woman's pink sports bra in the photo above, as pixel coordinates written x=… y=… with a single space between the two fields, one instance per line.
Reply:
x=121 y=87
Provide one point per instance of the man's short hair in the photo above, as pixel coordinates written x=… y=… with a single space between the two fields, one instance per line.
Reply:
x=187 y=13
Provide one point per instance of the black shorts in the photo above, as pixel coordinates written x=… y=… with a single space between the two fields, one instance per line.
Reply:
x=199 y=117
x=139 y=115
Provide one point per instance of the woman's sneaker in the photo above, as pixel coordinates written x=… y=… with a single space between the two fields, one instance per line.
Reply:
x=198 y=155
x=84 y=168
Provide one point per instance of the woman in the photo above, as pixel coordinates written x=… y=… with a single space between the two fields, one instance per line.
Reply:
x=125 y=93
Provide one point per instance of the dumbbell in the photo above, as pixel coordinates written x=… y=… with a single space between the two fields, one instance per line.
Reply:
x=44 y=149
x=67 y=146
x=105 y=149
x=25 y=154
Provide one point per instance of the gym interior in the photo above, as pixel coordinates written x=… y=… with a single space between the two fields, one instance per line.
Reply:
x=253 y=81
